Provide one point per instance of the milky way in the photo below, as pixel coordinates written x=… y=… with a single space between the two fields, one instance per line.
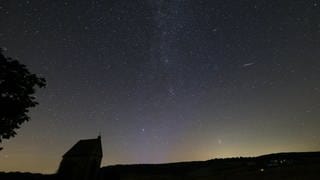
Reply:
x=165 y=81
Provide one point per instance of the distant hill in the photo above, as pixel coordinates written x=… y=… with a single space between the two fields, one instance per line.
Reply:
x=24 y=176
x=284 y=166
x=302 y=166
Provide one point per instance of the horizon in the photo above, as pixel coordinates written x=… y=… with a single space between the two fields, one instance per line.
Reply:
x=165 y=81
x=58 y=159
x=173 y=162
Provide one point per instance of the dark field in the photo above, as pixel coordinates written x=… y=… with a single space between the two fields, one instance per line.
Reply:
x=275 y=166
x=284 y=166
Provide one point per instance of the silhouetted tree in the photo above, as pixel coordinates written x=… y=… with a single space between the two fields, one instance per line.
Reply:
x=17 y=86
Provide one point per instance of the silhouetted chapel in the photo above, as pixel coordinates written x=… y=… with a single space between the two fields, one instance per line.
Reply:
x=82 y=161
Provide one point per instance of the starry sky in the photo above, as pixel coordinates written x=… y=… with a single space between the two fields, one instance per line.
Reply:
x=165 y=81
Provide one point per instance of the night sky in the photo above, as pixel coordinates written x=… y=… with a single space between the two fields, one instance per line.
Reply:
x=165 y=80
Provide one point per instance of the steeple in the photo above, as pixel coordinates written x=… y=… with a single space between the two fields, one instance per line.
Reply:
x=82 y=161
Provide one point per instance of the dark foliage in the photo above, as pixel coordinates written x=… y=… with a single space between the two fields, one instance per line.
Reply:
x=17 y=87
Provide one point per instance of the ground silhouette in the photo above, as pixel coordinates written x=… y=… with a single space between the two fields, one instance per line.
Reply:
x=284 y=166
